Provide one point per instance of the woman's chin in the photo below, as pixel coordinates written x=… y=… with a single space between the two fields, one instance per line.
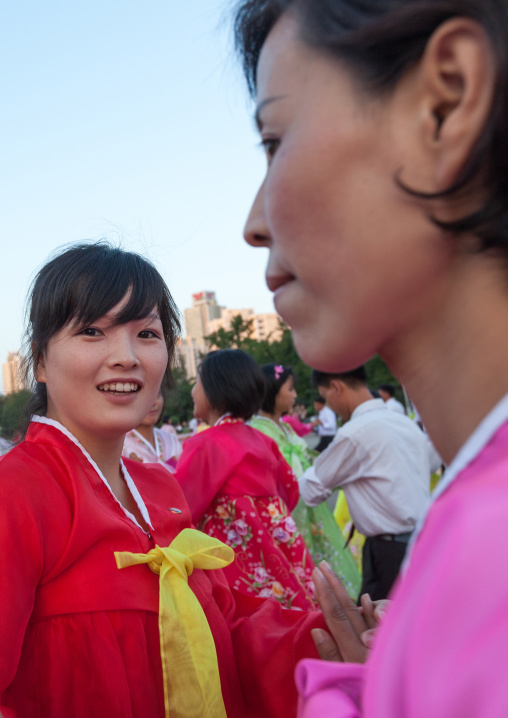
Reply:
x=325 y=354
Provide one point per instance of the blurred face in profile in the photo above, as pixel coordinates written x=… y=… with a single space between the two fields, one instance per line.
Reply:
x=286 y=396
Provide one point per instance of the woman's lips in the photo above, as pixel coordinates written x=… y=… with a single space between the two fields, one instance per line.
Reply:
x=276 y=282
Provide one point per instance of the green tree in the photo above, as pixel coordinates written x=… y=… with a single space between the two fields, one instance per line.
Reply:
x=179 y=402
x=279 y=351
x=13 y=407
x=237 y=337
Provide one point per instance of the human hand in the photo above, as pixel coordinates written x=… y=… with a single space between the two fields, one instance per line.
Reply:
x=346 y=621
x=373 y=613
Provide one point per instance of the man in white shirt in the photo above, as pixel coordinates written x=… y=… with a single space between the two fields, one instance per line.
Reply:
x=382 y=462
x=325 y=423
x=387 y=394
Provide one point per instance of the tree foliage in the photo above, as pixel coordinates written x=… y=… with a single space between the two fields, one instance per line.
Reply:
x=179 y=405
x=12 y=413
x=279 y=351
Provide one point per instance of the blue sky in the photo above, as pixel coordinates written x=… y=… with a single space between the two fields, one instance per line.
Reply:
x=127 y=120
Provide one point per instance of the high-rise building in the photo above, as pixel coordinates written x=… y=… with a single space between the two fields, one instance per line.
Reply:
x=13 y=373
x=204 y=309
x=206 y=317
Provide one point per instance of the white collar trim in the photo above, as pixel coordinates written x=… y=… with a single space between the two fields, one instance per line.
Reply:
x=128 y=479
x=468 y=452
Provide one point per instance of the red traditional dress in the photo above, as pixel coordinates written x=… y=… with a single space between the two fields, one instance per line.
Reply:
x=241 y=490
x=80 y=638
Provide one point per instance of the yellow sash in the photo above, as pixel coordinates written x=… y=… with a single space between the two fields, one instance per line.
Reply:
x=189 y=660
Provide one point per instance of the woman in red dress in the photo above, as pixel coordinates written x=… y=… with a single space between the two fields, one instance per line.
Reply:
x=240 y=488
x=165 y=635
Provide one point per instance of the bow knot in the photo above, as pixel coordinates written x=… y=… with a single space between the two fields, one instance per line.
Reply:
x=155 y=558
x=192 y=690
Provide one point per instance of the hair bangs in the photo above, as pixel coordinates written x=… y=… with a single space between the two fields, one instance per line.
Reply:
x=83 y=283
x=105 y=284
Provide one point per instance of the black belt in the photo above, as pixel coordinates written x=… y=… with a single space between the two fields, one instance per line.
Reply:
x=400 y=538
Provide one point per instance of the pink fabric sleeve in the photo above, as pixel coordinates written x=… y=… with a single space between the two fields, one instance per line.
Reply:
x=329 y=689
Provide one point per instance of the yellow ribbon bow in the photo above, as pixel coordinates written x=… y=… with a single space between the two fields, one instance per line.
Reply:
x=189 y=660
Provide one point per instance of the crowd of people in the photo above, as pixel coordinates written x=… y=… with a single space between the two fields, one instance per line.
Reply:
x=146 y=576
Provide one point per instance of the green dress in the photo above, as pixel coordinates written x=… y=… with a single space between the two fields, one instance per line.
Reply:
x=316 y=524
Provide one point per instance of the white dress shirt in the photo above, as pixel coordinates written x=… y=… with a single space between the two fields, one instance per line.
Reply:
x=382 y=461
x=394 y=405
x=328 y=425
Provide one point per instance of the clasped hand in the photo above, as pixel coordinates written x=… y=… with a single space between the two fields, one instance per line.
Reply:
x=352 y=628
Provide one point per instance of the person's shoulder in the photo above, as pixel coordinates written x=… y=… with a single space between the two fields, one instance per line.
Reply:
x=149 y=474
x=33 y=472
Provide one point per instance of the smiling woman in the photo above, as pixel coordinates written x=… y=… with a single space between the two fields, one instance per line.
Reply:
x=102 y=328
x=95 y=299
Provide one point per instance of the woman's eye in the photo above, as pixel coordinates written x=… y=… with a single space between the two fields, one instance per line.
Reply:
x=270 y=146
x=90 y=332
x=148 y=334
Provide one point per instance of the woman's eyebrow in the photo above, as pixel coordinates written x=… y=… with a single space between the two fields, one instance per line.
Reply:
x=150 y=318
x=259 y=108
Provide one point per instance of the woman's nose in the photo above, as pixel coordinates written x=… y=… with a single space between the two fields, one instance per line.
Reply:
x=256 y=231
x=123 y=352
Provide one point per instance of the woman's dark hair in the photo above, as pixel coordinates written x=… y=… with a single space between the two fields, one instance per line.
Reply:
x=233 y=382
x=82 y=284
x=380 y=40
x=275 y=376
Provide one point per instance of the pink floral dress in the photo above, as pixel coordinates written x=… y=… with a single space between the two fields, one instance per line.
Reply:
x=241 y=490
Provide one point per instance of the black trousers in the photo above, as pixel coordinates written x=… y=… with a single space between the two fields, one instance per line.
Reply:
x=324 y=441
x=381 y=561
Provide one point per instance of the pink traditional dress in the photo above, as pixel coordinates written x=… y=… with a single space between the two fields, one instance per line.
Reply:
x=298 y=426
x=241 y=491
x=166 y=452
x=442 y=649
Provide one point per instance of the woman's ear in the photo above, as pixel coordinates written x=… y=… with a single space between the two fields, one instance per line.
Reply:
x=456 y=80
x=39 y=368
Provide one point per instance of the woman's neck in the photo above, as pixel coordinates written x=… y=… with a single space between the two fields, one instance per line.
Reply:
x=274 y=417
x=454 y=366
x=147 y=433
x=214 y=416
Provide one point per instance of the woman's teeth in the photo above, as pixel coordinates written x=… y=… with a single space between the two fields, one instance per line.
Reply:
x=118 y=387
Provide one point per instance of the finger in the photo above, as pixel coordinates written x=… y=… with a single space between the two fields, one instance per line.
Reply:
x=326 y=646
x=380 y=608
x=348 y=605
x=342 y=631
x=367 y=610
x=367 y=637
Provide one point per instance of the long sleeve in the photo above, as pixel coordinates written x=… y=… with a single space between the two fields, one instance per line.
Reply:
x=331 y=469
x=441 y=649
x=287 y=483
x=28 y=549
x=328 y=422
x=268 y=642
x=329 y=689
x=202 y=469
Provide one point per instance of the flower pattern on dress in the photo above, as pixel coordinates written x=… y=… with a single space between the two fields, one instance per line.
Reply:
x=271 y=560
x=316 y=525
